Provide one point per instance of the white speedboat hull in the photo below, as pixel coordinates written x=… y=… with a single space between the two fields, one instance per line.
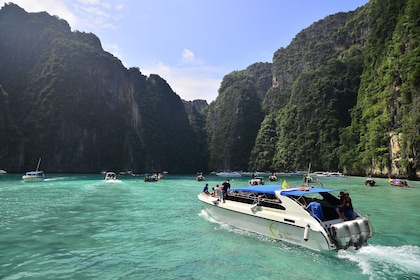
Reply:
x=285 y=231
x=277 y=214
x=32 y=179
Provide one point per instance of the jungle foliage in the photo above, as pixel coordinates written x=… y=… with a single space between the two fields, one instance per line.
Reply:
x=343 y=95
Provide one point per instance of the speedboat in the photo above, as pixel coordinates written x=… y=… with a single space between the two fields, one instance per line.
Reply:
x=2 y=171
x=229 y=174
x=272 y=178
x=369 y=181
x=256 y=181
x=278 y=212
x=34 y=176
x=110 y=176
x=200 y=177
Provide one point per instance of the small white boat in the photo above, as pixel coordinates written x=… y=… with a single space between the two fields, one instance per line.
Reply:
x=2 y=171
x=229 y=174
x=200 y=177
x=272 y=178
x=110 y=176
x=369 y=181
x=279 y=213
x=256 y=181
x=34 y=176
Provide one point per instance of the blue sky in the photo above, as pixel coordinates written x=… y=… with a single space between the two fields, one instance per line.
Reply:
x=191 y=44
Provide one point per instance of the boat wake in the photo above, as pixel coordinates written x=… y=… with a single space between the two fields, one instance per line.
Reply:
x=203 y=213
x=235 y=230
x=116 y=181
x=59 y=179
x=385 y=261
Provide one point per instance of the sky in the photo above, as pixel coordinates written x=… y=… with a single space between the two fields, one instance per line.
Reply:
x=192 y=44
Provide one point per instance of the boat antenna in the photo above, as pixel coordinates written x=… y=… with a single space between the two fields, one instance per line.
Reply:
x=39 y=162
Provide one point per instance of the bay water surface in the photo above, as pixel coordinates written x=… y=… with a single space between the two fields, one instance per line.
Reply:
x=81 y=227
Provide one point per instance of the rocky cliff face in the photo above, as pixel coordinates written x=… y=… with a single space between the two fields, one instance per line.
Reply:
x=78 y=108
x=342 y=96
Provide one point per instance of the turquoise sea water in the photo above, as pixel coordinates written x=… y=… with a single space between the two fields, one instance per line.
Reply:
x=81 y=227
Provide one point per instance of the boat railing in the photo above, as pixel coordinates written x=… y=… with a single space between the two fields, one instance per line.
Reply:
x=259 y=199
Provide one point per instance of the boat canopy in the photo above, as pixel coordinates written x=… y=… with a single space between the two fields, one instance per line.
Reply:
x=270 y=189
x=304 y=191
x=34 y=172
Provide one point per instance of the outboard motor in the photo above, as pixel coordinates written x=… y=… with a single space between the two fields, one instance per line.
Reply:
x=342 y=235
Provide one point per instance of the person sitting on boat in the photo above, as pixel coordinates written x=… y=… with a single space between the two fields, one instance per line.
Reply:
x=206 y=189
x=348 y=207
x=316 y=209
x=213 y=192
x=340 y=207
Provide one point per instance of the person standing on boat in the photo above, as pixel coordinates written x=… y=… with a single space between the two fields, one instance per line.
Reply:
x=316 y=209
x=217 y=192
x=225 y=188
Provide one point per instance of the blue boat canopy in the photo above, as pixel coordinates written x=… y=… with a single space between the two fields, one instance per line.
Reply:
x=304 y=191
x=34 y=173
x=270 y=189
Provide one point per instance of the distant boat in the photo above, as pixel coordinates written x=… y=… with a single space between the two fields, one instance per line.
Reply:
x=200 y=177
x=151 y=178
x=398 y=183
x=34 y=176
x=272 y=178
x=369 y=181
x=110 y=176
x=229 y=174
x=2 y=171
x=256 y=181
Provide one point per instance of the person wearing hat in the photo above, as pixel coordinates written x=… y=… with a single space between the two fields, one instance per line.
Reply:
x=315 y=208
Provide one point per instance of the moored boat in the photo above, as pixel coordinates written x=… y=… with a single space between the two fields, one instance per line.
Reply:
x=279 y=213
x=2 y=171
x=34 y=176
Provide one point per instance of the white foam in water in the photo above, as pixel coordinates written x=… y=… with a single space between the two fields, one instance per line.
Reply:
x=404 y=258
x=203 y=213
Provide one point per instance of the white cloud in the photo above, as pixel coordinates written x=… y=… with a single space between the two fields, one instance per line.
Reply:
x=187 y=56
